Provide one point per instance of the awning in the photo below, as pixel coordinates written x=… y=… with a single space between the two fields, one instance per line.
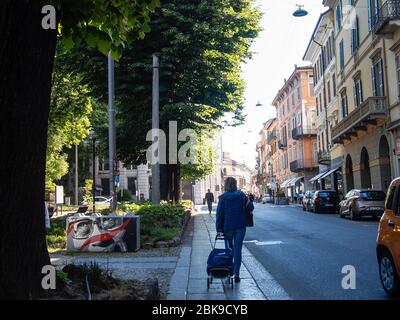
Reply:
x=295 y=180
x=318 y=176
x=330 y=172
x=285 y=183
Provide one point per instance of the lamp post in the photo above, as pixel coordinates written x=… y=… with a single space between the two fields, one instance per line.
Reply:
x=112 y=149
x=155 y=167
x=92 y=137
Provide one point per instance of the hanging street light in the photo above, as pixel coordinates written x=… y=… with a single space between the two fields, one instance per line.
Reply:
x=300 y=12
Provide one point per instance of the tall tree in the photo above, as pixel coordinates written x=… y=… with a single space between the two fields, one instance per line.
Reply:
x=69 y=122
x=202 y=44
x=26 y=61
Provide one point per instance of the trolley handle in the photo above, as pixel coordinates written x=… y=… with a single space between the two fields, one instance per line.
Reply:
x=220 y=236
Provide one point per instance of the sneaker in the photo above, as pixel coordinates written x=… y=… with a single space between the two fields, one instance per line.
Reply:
x=237 y=279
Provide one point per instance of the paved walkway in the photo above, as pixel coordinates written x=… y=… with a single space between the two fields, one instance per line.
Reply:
x=189 y=281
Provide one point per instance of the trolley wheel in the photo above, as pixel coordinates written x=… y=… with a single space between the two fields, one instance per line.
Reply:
x=208 y=283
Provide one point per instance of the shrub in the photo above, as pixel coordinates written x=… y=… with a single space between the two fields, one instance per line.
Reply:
x=124 y=195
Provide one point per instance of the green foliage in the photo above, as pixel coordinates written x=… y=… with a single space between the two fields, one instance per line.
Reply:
x=205 y=160
x=126 y=195
x=202 y=44
x=280 y=194
x=158 y=222
x=165 y=234
x=88 y=191
x=56 y=236
x=103 y=24
x=69 y=122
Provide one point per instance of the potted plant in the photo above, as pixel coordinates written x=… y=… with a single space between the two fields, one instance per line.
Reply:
x=280 y=198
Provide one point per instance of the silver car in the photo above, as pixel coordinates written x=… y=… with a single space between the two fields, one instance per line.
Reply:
x=362 y=203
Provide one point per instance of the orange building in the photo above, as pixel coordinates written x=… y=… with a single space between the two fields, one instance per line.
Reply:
x=297 y=155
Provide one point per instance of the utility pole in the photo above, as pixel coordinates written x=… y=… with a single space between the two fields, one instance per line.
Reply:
x=76 y=176
x=112 y=132
x=155 y=166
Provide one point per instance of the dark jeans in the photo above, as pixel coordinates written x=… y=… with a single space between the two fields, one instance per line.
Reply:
x=209 y=204
x=235 y=240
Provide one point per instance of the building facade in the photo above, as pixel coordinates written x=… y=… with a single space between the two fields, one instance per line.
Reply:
x=296 y=159
x=321 y=53
x=365 y=52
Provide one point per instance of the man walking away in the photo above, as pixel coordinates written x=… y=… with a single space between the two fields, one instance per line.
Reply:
x=210 y=200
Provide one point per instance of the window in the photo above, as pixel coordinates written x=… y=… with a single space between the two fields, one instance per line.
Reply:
x=358 y=94
x=373 y=13
x=317 y=103
x=344 y=104
x=378 y=88
x=299 y=120
x=298 y=93
x=334 y=84
x=390 y=197
x=329 y=91
x=355 y=37
x=339 y=16
x=398 y=73
x=341 y=52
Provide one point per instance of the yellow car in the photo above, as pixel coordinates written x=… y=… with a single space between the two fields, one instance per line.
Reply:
x=388 y=241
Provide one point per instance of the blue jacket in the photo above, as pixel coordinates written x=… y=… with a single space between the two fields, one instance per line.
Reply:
x=230 y=211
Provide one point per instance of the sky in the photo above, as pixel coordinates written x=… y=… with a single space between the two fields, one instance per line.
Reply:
x=280 y=46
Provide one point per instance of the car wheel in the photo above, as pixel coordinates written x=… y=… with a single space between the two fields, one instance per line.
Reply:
x=352 y=215
x=388 y=274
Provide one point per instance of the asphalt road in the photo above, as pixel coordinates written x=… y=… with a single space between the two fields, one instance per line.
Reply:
x=306 y=252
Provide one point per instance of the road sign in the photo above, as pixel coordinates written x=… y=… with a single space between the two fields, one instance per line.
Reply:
x=59 y=194
x=116 y=181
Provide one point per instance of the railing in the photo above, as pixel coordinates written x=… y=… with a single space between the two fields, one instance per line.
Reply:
x=324 y=157
x=301 y=164
x=390 y=10
x=282 y=144
x=374 y=107
x=304 y=131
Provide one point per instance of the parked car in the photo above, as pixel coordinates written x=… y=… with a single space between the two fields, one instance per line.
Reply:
x=306 y=202
x=388 y=242
x=267 y=199
x=362 y=203
x=325 y=200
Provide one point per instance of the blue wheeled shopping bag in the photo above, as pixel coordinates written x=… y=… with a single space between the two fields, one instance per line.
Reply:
x=220 y=263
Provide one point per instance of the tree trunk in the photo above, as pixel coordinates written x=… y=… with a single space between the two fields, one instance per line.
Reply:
x=26 y=61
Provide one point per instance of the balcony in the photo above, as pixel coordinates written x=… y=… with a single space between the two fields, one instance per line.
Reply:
x=271 y=137
x=388 y=19
x=282 y=144
x=368 y=113
x=305 y=132
x=302 y=164
x=324 y=157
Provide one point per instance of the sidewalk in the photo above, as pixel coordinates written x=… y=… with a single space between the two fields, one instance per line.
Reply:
x=189 y=281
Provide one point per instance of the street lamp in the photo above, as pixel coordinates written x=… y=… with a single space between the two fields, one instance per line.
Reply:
x=92 y=137
x=300 y=12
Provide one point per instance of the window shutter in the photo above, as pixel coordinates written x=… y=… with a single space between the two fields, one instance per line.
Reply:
x=374 y=86
x=357 y=32
x=369 y=16
x=381 y=78
x=361 y=91
x=355 y=94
